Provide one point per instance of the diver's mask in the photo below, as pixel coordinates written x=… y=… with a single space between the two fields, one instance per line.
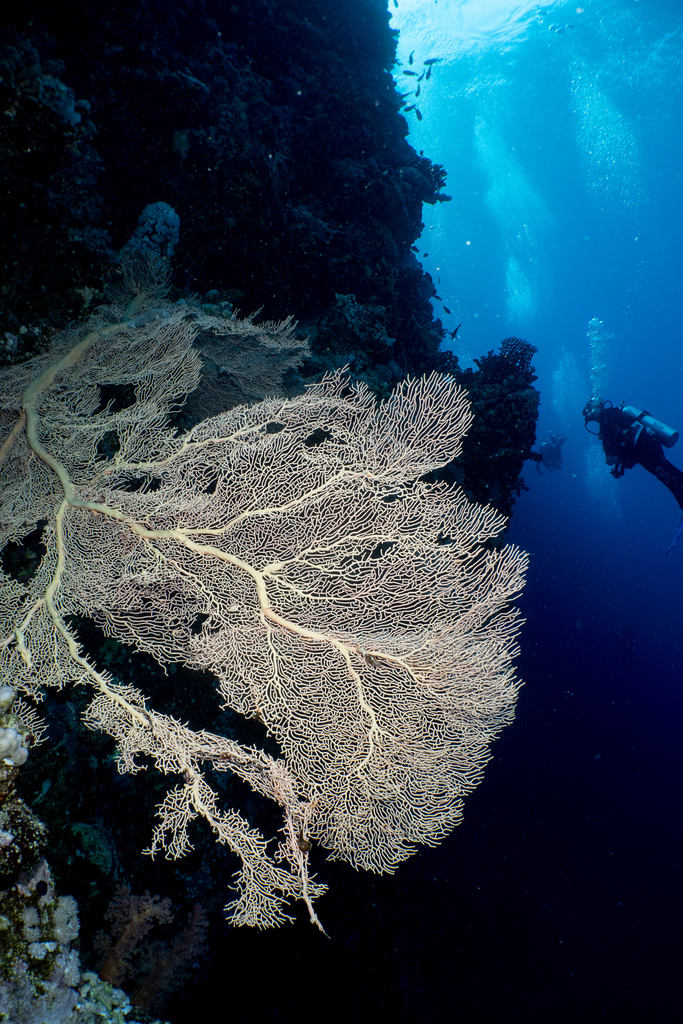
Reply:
x=592 y=410
x=592 y=413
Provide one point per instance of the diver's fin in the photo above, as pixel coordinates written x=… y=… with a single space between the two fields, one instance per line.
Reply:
x=679 y=534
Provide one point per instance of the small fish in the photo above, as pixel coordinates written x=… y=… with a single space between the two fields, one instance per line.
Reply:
x=414 y=248
x=395 y=3
x=411 y=107
x=410 y=59
x=421 y=77
x=454 y=334
x=418 y=115
x=413 y=73
x=432 y=60
x=446 y=310
x=429 y=71
x=417 y=91
x=438 y=297
x=425 y=255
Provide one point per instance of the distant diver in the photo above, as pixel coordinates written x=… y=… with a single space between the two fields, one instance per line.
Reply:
x=551 y=453
x=631 y=436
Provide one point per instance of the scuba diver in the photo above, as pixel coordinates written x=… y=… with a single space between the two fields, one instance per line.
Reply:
x=551 y=453
x=631 y=436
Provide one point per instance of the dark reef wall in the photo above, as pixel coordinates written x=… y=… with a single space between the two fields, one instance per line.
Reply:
x=505 y=406
x=272 y=128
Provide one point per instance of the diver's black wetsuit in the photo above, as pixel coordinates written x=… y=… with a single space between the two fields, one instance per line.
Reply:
x=626 y=442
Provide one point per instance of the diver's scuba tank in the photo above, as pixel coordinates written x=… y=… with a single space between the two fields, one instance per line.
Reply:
x=665 y=435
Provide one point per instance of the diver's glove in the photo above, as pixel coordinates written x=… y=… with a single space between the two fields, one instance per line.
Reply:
x=679 y=533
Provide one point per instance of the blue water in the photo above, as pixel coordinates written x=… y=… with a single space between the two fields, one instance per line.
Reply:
x=564 y=153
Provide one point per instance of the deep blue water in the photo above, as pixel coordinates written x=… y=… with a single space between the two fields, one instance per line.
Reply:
x=560 y=897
